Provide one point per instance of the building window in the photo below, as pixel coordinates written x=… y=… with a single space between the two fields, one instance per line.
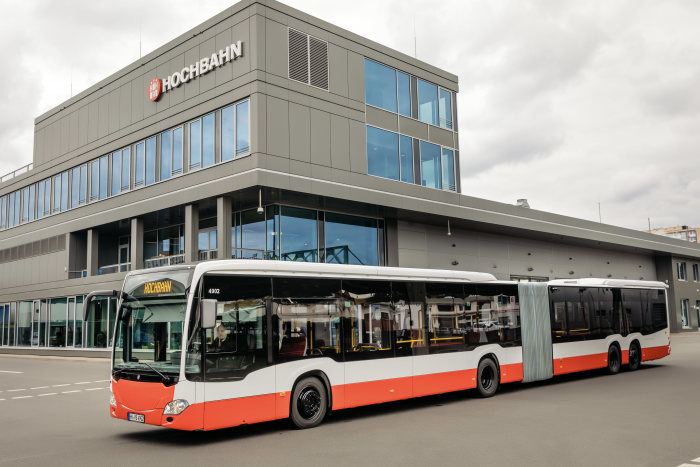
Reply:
x=382 y=153
x=116 y=184
x=94 y=180
x=170 y=153
x=140 y=164
x=404 y=93
x=445 y=108
x=56 y=194
x=431 y=109
x=430 y=165
x=680 y=269
x=78 y=186
x=351 y=239
x=104 y=176
x=202 y=142
x=696 y=276
x=44 y=198
x=164 y=246
x=380 y=86
x=298 y=234
x=3 y=210
x=126 y=168
x=25 y=205
x=684 y=313
x=406 y=158
x=235 y=130
x=151 y=160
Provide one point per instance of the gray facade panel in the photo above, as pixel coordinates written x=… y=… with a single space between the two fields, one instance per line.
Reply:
x=338 y=70
x=299 y=132
x=277 y=127
x=320 y=138
x=340 y=142
x=440 y=136
x=276 y=59
x=382 y=119
x=358 y=147
x=356 y=77
x=413 y=128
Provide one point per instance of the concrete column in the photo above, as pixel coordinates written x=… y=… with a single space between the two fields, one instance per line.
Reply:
x=136 y=243
x=224 y=222
x=191 y=233
x=92 y=252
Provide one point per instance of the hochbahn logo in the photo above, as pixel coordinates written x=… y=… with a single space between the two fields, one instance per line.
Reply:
x=157 y=287
x=201 y=67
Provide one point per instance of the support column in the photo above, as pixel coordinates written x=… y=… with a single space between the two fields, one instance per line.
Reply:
x=92 y=252
x=224 y=222
x=191 y=233
x=136 y=243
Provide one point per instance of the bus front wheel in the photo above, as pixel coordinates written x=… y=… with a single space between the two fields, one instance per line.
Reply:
x=487 y=379
x=613 y=359
x=635 y=356
x=309 y=403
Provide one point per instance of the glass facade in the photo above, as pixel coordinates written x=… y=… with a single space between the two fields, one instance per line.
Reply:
x=382 y=153
x=430 y=165
x=110 y=174
x=380 y=86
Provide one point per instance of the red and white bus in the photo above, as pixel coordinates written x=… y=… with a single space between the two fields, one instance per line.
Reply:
x=233 y=342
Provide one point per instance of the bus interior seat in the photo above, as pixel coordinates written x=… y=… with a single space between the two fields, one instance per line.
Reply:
x=293 y=346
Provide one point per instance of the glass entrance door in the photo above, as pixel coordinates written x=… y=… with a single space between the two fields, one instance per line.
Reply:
x=4 y=318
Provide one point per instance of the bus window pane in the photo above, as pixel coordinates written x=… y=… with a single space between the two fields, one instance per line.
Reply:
x=589 y=297
x=306 y=318
x=368 y=318
x=577 y=320
x=446 y=317
x=557 y=310
x=498 y=318
x=609 y=319
x=633 y=310
x=657 y=303
x=409 y=299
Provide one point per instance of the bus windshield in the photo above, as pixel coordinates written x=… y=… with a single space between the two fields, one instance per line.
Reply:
x=150 y=322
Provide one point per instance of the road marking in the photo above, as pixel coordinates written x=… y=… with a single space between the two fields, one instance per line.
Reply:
x=94 y=389
x=15 y=390
x=12 y=372
x=59 y=385
x=84 y=382
x=40 y=387
x=2 y=399
x=102 y=381
x=22 y=397
x=48 y=394
x=696 y=460
x=69 y=392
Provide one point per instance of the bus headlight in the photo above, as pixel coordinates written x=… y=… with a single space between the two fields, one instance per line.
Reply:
x=175 y=407
x=112 y=401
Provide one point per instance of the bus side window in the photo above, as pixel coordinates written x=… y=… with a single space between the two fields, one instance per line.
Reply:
x=605 y=311
x=657 y=304
x=499 y=313
x=558 y=314
x=368 y=319
x=578 y=323
x=409 y=332
x=446 y=308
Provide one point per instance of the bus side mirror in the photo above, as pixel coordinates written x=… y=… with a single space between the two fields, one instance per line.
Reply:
x=208 y=313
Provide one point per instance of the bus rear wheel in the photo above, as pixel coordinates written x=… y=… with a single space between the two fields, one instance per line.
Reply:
x=613 y=359
x=309 y=403
x=487 y=379
x=635 y=356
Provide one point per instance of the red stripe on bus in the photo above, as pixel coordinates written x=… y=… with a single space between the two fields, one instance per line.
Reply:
x=511 y=373
x=579 y=363
x=375 y=392
x=654 y=353
x=242 y=410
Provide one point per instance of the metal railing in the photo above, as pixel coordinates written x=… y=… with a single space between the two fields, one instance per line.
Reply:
x=77 y=274
x=206 y=255
x=113 y=268
x=163 y=261
x=14 y=173
x=337 y=254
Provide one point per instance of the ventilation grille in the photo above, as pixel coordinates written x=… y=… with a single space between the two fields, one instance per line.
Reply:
x=298 y=56
x=318 y=61
x=308 y=59
x=38 y=248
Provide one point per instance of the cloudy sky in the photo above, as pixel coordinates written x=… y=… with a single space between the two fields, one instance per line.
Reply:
x=569 y=104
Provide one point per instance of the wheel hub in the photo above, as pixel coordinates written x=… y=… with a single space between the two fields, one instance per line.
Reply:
x=309 y=403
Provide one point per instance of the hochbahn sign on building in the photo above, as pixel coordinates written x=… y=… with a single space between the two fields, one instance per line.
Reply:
x=201 y=67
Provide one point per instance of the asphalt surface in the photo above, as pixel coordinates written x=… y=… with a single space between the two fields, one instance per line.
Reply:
x=644 y=418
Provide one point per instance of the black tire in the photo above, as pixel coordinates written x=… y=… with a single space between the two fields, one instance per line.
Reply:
x=635 y=356
x=487 y=378
x=309 y=403
x=614 y=361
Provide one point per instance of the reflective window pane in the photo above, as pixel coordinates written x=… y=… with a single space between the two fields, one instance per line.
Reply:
x=298 y=234
x=404 y=85
x=177 y=151
x=32 y=201
x=3 y=210
x=103 y=168
x=195 y=144
x=39 y=203
x=430 y=165
x=57 y=322
x=165 y=154
x=83 y=184
x=151 y=160
x=252 y=234
x=57 y=193
x=445 y=108
x=427 y=102
x=228 y=133
x=24 y=324
x=382 y=153
x=25 y=205
x=140 y=164
x=47 y=197
x=406 y=158
x=126 y=168
x=243 y=128
x=208 y=140
x=351 y=239
x=116 y=172
x=75 y=187
x=64 y=191
x=380 y=86
x=448 y=170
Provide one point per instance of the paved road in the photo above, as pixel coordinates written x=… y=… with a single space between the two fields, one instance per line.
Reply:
x=645 y=418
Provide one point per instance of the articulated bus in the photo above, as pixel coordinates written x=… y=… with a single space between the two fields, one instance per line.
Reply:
x=233 y=342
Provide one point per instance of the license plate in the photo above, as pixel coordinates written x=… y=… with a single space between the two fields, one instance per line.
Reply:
x=136 y=417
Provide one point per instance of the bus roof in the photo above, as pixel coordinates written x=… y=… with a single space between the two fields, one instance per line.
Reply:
x=292 y=268
x=596 y=282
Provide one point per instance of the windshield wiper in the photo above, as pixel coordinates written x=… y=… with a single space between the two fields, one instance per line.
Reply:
x=166 y=379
